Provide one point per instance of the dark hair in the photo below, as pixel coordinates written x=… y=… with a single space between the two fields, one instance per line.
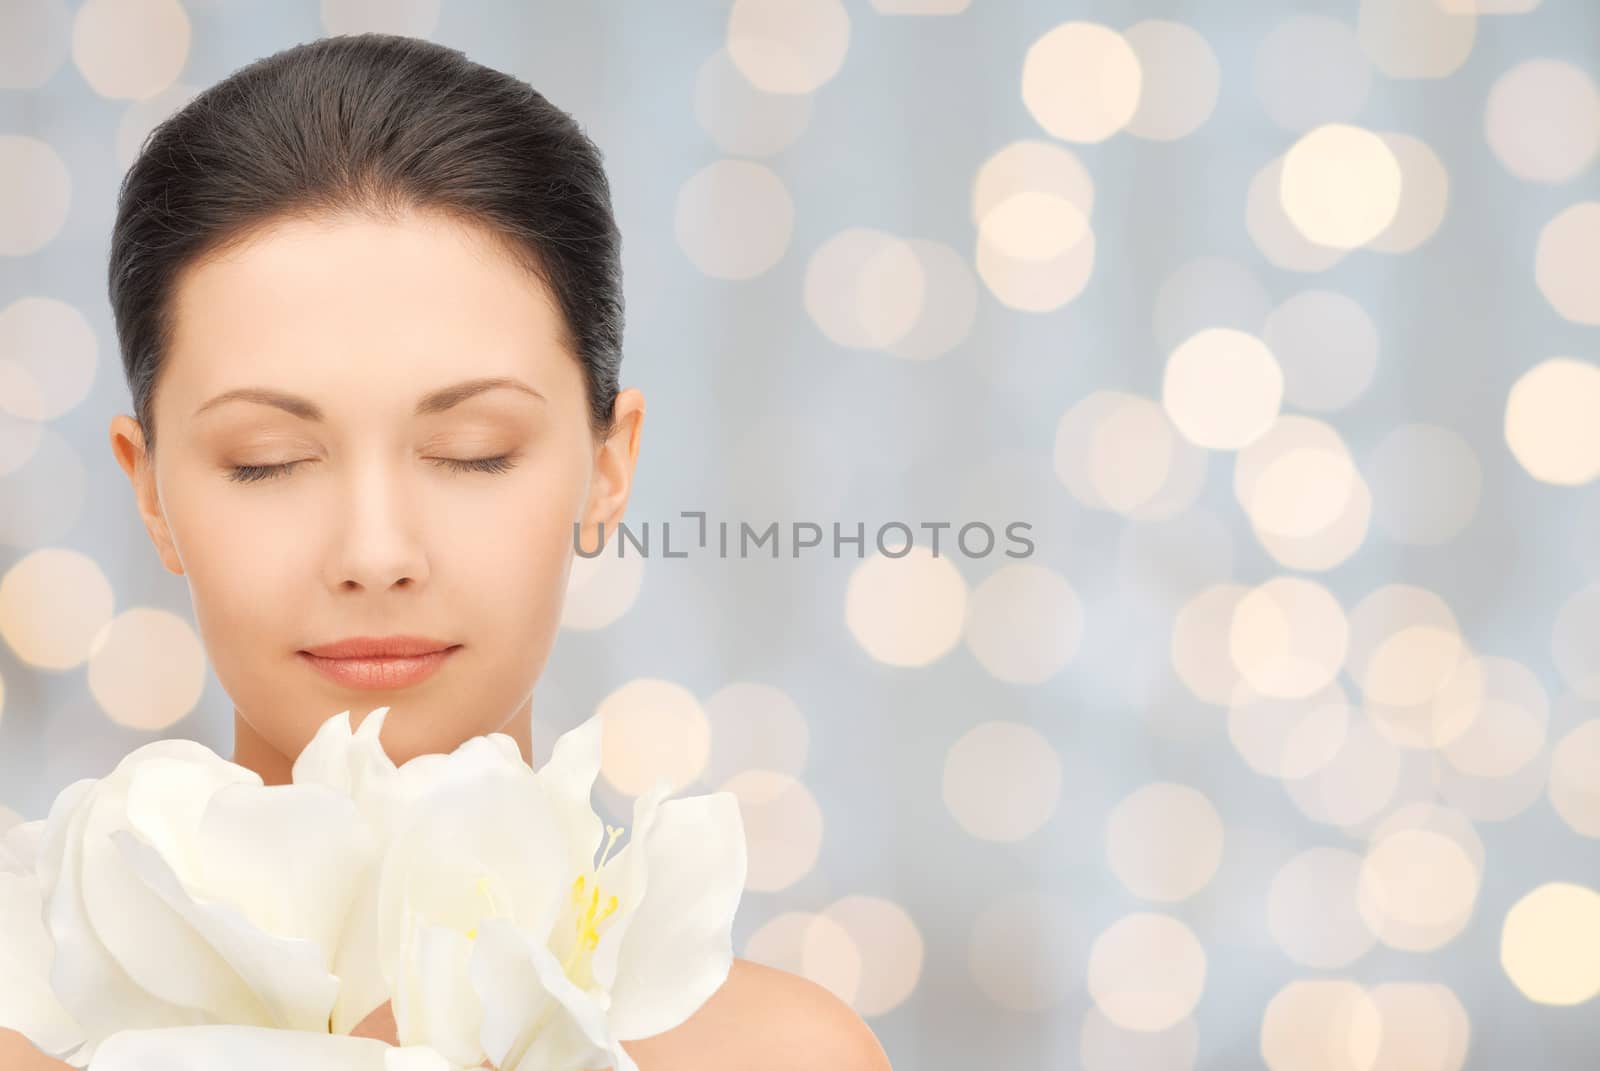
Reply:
x=379 y=125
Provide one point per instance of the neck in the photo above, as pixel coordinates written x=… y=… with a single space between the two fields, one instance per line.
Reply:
x=252 y=751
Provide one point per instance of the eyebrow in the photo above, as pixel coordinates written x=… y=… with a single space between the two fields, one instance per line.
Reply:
x=304 y=408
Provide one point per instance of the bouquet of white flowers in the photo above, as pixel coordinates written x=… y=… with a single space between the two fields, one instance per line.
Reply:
x=179 y=915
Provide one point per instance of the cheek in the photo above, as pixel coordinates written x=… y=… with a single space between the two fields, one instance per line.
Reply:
x=520 y=557
x=246 y=568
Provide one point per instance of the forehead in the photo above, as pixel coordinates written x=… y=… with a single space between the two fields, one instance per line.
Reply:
x=354 y=302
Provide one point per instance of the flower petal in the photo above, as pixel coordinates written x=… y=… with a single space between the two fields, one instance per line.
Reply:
x=568 y=779
x=534 y=1019
x=274 y=981
x=254 y=1048
x=86 y=979
x=678 y=947
x=19 y=846
x=435 y=1004
x=289 y=857
x=27 y=1004
x=627 y=874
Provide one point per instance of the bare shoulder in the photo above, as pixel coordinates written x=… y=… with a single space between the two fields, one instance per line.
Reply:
x=17 y=1053
x=765 y=1019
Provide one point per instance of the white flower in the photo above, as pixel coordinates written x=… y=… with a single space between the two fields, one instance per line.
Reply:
x=253 y=1048
x=646 y=936
x=180 y=891
x=498 y=933
x=27 y=1003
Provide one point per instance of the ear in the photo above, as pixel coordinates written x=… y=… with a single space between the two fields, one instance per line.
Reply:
x=613 y=470
x=127 y=445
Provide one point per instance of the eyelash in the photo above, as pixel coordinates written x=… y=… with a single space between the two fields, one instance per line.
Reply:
x=257 y=473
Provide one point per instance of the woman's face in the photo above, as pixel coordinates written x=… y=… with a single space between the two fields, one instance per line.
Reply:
x=392 y=516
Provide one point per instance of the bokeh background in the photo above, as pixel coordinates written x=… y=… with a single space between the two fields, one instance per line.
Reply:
x=1275 y=319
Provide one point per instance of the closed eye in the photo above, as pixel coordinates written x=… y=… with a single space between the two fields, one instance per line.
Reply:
x=255 y=473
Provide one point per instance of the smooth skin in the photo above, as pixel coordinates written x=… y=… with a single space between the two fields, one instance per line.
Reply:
x=372 y=531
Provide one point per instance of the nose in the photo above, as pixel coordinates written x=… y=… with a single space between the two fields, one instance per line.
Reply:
x=378 y=544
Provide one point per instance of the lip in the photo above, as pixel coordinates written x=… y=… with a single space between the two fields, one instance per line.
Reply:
x=379 y=662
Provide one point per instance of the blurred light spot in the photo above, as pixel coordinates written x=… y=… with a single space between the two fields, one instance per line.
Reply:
x=1415 y=38
x=1550 y=944
x=1313 y=910
x=813 y=946
x=602 y=588
x=1549 y=423
x=1156 y=474
x=1424 y=195
x=1491 y=799
x=130 y=49
x=1222 y=388
x=1418 y=889
x=411 y=18
x=1081 y=81
x=51 y=482
x=140 y=117
x=1488 y=7
x=1180 y=79
x=891 y=949
x=1024 y=623
x=788 y=46
x=920 y=7
x=1031 y=166
x=1576 y=640
x=1575 y=778
x=1105 y=1046
x=35 y=191
x=1405 y=645
x=1288 y=738
x=1279 y=240
x=1146 y=971
x=783 y=827
x=1130 y=453
x=755 y=726
x=1002 y=781
x=742 y=119
x=1508 y=732
x=1208 y=292
x=1033 y=285
x=49 y=346
x=19 y=441
x=864 y=288
x=53 y=604
x=949 y=303
x=734 y=219
x=1354 y=785
x=1322 y=1024
x=147 y=669
x=1568 y=262
x=906 y=610
x=1200 y=648
x=1426 y=482
x=1288 y=637
x=1543 y=120
x=1340 y=185
x=1020 y=951
x=1310 y=70
x=1033 y=226
x=1164 y=842
x=1425 y=1027
x=33 y=42
x=653 y=728
x=1299 y=492
x=1326 y=345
